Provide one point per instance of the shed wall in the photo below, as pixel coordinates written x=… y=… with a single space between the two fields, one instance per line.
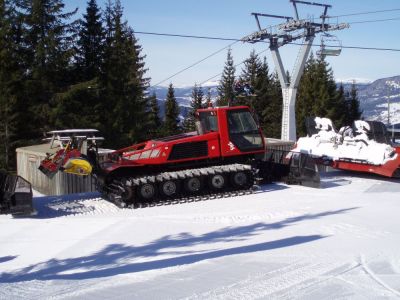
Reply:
x=28 y=162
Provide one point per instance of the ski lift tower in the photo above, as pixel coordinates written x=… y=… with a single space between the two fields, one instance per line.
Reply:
x=285 y=33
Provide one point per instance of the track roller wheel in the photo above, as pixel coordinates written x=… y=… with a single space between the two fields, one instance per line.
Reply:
x=193 y=185
x=217 y=182
x=127 y=195
x=169 y=188
x=240 y=179
x=147 y=191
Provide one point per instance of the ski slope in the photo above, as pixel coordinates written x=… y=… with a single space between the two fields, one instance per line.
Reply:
x=282 y=242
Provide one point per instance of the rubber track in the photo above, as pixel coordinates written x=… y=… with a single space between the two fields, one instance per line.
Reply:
x=190 y=199
x=204 y=194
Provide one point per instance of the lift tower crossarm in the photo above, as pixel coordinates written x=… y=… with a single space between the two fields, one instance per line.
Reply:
x=293 y=29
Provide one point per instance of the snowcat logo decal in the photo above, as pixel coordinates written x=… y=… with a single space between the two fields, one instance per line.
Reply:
x=231 y=146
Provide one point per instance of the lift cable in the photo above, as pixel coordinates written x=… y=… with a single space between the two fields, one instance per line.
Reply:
x=219 y=74
x=235 y=40
x=188 y=36
x=197 y=62
x=350 y=47
x=373 y=21
x=238 y=40
x=365 y=13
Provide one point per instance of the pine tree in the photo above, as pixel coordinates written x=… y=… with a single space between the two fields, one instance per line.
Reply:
x=48 y=38
x=8 y=76
x=123 y=80
x=15 y=131
x=353 y=112
x=78 y=106
x=251 y=69
x=306 y=96
x=339 y=108
x=154 y=117
x=189 y=123
x=208 y=98
x=270 y=103
x=91 y=36
x=225 y=89
x=171 y=112
x=319 y=96
x=250 y=75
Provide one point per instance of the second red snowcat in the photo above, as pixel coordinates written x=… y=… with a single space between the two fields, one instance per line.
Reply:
x=363 y=147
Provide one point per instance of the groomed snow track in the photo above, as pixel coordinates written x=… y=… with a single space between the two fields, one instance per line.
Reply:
x=181 y=186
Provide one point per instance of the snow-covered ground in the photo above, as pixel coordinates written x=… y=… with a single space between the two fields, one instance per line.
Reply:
x=282 y=242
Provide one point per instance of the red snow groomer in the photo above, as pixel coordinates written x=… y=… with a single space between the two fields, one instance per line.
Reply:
x=226 y=153
x=363 y=147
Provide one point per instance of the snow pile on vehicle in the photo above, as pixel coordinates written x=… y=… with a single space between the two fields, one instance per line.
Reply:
x=350 y=143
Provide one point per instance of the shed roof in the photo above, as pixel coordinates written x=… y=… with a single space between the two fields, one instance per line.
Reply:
x=40 y=149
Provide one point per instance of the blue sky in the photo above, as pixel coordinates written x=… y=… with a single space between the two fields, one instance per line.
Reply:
x=231 y=18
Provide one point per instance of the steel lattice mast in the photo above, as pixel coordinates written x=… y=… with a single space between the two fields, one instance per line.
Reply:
x=293 y=29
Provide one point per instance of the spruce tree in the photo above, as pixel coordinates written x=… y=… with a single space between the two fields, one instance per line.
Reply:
x=339 y=108
x=226 y=86
x=251 y=69
x=208 y=98
x=171 y=112
x=328 y=104
x=250 y=75
x=354 y=112
x=189 y=123
x=78 y=106
x=270 y=103
x=154 y=117
x=15 y=98
x=48 y=37
x=90 y=43
x=306 y=96
x=318 y=95
x=123 y=79
x=10 y=76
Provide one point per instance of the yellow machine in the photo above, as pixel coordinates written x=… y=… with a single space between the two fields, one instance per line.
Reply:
x=78 y=166
x=70 y=158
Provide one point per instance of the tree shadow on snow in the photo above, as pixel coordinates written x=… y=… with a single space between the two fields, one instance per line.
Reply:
x=7 y=258
x=168 y=251
x=56 y=206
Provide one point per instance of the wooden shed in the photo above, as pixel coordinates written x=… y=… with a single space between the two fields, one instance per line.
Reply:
x=28 y=162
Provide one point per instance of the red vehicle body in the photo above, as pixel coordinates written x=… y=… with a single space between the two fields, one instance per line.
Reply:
x=390 y=169
x=222 y=133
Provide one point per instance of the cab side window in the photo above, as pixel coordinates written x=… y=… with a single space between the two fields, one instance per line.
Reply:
x=208 y=121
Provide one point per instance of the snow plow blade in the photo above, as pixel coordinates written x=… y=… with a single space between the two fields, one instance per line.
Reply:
x=291 y=168
x=15 y=195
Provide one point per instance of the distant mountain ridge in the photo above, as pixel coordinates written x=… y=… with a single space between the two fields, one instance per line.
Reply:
x=374 y=98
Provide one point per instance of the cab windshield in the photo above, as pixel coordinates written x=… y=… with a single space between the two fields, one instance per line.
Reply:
x=243 y=130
